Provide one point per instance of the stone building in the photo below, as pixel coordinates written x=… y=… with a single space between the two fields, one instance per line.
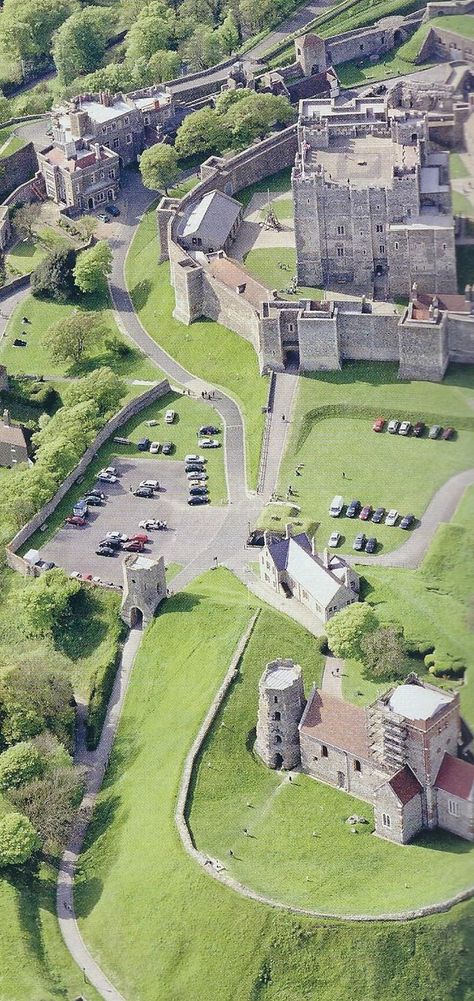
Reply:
x=13 y=448
x=211 y=225
x=325 y=584
x=401 y=754
x=449 y=40
x=80 y=178
x=144 y=588
x=280 y=707
x=372 y=201
x=5 y=227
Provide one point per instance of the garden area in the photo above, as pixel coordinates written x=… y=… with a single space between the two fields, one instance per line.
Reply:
x=332 y=435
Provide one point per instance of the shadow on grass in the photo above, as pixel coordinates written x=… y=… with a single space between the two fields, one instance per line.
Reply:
x=140 y=293
x=85 y=628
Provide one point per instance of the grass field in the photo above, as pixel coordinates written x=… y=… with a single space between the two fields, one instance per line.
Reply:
x=12 y=145
x=263 y=263
x=331 y=443
x=35 y=358
x=205 y=348
x=457 y=167
x=24 y=257
x=176 y=932
x=462 y=205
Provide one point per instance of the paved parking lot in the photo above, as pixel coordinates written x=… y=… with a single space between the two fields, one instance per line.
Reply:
x=189 y=528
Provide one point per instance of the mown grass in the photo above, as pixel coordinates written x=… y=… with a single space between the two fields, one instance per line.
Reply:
x=330 y=443
x=457 y=167
x=205 y=348
x=264 y=263
x=176 y=932
x=462 y=205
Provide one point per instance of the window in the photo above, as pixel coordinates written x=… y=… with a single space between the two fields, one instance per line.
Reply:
x=382 y=248
x=277 y=717
x=278 y=739
x=126 y=120
x=324 y=751
x=146 y=119
x=444 y=246
x=396 y=244
x=386 y=820
x=275 y=699
x=291 y=328
x=414 y=137
x=357 y=767
x=340 y=230
x=111 y=173
x=361 y=47
x=340 y=251
x=116 y=144
x=104 y=128
x=453 y=807
x=128 y=137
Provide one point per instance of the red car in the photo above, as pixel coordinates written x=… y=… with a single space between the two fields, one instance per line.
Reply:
x=139 y=538
x=133 y=547
x=76 y=520
x=366 y=512
x=379 y=424
x=447 y=434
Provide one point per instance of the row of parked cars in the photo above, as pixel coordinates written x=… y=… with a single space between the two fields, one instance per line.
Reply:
x=367 y=513
x=406 y=428
x=195 y=466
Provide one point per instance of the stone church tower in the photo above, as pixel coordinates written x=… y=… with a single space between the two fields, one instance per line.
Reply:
x=280 y=708
x=144 y=587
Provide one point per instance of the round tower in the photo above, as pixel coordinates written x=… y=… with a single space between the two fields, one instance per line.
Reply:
x=280 y=708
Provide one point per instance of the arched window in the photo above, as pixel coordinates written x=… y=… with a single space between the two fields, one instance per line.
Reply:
x=324 y=751
x=357 y=767
x=277 y=716
x=278 y=739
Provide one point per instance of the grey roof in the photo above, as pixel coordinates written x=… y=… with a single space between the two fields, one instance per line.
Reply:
x=211 y=219
x=308 y=569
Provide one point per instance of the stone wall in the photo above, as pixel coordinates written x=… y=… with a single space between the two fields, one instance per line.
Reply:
x=131 y=408
x=439 y=9
x=461 y=339
x=17 y=168
x=339 y=768
x=368 y=336
x=405 y=821
x=463 y=824
x=423 y=350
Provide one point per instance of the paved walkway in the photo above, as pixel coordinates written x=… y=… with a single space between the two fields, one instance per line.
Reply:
x=332 y=676
x=286 y=384
x=288 y=606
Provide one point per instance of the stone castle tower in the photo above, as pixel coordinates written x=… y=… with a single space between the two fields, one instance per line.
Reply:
x=280 y=708
x=144 y=587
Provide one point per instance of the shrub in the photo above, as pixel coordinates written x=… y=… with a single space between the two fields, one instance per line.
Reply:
x=18 y=839
x=18 y=764
x=101 y=688
x=53 y=278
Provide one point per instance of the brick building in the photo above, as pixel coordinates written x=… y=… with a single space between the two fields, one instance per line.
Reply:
x=80 y=178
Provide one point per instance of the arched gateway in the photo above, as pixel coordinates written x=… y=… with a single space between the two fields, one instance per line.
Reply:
x=144 y=587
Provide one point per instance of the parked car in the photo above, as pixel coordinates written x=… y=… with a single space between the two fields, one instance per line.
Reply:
x=75 y=575
x=407 y=521
x=353 y=509
x=107 y=477
x=139 y=537
x=103 y=217
x=195 y=458
x=197 y=476
x=143 y=492
x=113 y=543
x=151 y=423
x=198 y=500
x=371 y=544
x=112 y=209
x=170 y=416
x=393 y=427
x=435 y=431
x=167 y=447
x=76 y=520
x=152 y=484
x=336 y=506
x=148 y=524
x=105 y=551
x=334 y=539
x=209 y=429
x=209 y=443
x=80 y=508
x=143 y=445
x=133 y=547
x=198 y=491
x=447 y=434
x=405 y=428
x=117 y=535
x=366 y=512
x=379 y=424
x=392 y=517
x=359 y=542
x=111 y=470
x=96 y=493
x=378 y=515
x=155 y=447
x=194 y=467
x=419 y=428
x=93 y=501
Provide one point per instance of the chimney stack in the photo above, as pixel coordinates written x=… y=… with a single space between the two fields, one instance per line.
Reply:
x=6 y=417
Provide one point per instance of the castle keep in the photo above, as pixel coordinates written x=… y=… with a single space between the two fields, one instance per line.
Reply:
x=400 y=754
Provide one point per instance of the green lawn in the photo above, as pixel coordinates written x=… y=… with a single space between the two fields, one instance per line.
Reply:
x=340 y=440
x=205 y=348
x=280 y=181
x=264 y=264
x=24 y=257
x=463 y=24
x=395 y=63
x=13 y=144
x=175 y=931
x=457 y=167
x=462 y=205
x=35 y=358
x=282 y=207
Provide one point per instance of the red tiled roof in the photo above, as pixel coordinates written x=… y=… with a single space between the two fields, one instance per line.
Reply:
x=336 y=722
x=456 y=776
x=405 y=785
x=455 y=303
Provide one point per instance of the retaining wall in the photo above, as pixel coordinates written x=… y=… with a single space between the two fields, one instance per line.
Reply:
x=14 y=286
x=129 y=410
x=17 y=168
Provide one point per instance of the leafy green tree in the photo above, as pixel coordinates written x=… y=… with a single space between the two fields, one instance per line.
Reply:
x=24 y=219
x=92 y=267
x=5 y=109
x=102 y=387
x=49 y=599
x=53 y=278
x=50 y=803
x=346 y=630
x=229 y=34
x=153 y=29
x=70 y=339
x=36 y=697
x=28 y=25
x=18 y=840
x=255 y=115
x=201 y=132
x=384 y=652
x=79 y=44
x=228 y=98
x=159 y=167
x=203 y=48
x=19 y=764
x=163 y=65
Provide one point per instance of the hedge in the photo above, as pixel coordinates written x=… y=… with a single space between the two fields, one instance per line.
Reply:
x=102 y=682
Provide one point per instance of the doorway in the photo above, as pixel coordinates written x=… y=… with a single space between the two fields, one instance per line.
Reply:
x=341 y=780
x=278 y=761
x=90 y=203
x=136 y=618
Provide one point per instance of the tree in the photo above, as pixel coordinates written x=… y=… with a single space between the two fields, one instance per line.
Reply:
x=36 y=697
x=153 y=29
x=347 y=628
x=256 y=115
x=163 y=65
x=201 y=132
x=5 y=109
x=229 y=33
x=92 y=267
x=50 y=803
x=227 y=98
x=18 y=840
x=53 y=278
x=79 y=44
x=49 y=598
x=384 y=652
x=102 y=387
x=24 y=219
x=203 y=48
x=70 y=339
x=19 y=764
x=159 y=167
x=28 y=25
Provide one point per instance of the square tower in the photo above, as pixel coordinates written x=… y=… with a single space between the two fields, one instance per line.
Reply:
x=144 y=588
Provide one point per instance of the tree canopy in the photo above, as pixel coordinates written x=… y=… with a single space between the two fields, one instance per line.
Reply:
x=79 y=44
x=70 y=339
x=18 y=839
x=19 y=764
x=92 y=267
x=239 y=117
x=35 y=697
x=53 y=278
x=347 y=628
x=384 y=652
x=49 y=599
x=159 y=167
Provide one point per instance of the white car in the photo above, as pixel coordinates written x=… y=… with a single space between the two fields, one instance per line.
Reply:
x=170 y=416
x=111 y=470
x=75 y=575
x=153 y=484
x=405 y=428
x=155 y=447
x=105 y=477
x=336 y=507
x=117 y=535
x=334 y=539
x=393 y=427
x=196 y=476
x=209 y=443
x=392 y=517
x=194 y=458
x=151 y=424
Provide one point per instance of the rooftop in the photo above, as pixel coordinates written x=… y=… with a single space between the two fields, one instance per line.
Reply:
x=416 y=702
x=362 y=161
x=336 y=722
x=235 y=276
x=281 y=674
x=456 y=776
x=405 y=785
x=307 y=568
x=212 y=218
x=11 y=434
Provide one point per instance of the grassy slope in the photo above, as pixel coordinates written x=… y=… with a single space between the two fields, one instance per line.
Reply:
x=335 y=445
x=205 y=348
x=35 y=357
x=177 y=933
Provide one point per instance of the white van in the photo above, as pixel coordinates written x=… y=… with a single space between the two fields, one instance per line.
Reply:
x=336 y=507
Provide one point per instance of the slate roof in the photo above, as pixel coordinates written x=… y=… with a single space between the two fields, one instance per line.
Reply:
x=295 y=555
x=456 y=776
x=211 y=219
x=405 y=785
x=336 y=722
x=11 y=434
